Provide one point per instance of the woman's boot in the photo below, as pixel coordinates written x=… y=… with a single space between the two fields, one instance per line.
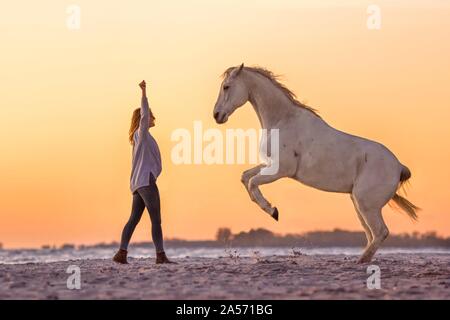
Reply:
x=162 y=258
x=121 y=257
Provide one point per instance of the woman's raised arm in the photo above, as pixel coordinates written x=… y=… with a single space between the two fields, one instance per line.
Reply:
x=144 y=123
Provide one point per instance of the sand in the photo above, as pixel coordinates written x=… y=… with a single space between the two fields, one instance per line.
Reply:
x=413 y=276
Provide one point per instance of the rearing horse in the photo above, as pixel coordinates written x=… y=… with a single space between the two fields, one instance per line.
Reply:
x=314 y=153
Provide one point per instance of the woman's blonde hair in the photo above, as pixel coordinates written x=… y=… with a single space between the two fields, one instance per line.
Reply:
x=135 y=119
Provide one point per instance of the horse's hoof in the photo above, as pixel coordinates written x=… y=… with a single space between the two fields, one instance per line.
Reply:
x=275 y=214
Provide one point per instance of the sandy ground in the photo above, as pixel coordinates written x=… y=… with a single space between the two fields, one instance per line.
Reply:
x=293 y=277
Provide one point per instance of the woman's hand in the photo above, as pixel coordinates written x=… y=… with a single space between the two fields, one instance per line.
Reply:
x=143 y=86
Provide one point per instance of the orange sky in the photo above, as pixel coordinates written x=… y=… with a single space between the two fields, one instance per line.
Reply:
x=67 y=98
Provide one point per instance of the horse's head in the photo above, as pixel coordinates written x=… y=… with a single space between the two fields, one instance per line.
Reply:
x=233 y=94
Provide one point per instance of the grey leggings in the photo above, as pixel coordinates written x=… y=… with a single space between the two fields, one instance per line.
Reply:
x=147 y=196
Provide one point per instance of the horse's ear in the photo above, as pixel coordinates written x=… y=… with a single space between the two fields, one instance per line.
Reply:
x=240 y=69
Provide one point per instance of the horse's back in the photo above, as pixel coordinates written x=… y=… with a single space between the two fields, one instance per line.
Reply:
x=331 y=160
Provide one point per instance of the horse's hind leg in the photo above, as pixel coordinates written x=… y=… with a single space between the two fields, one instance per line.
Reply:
x=379 y=231
x=371 y=192
x=363 y=223
x=370 y=201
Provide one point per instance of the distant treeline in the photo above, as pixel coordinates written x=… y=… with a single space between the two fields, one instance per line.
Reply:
x=266 y=238
x=335 y=238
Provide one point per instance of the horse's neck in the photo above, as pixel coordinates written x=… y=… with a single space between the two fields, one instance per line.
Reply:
x=270 y=103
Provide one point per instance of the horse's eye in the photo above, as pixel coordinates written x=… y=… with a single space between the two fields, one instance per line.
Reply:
x=226 y=88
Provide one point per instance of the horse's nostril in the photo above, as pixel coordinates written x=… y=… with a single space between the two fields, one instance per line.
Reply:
x=216 y=114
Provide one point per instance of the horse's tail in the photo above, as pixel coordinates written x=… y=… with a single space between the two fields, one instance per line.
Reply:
x=402 y=202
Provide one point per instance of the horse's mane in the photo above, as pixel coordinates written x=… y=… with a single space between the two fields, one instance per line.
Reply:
x=275 y=80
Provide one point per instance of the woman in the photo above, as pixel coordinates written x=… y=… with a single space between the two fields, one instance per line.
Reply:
x=146 y=167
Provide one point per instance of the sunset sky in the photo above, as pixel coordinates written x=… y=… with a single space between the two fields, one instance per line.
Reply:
x=67 y=98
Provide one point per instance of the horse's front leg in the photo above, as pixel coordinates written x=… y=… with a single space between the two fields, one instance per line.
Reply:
x=256 y=195
x=248 y=174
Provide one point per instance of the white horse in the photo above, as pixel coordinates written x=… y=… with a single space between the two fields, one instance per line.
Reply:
x=314 y=153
